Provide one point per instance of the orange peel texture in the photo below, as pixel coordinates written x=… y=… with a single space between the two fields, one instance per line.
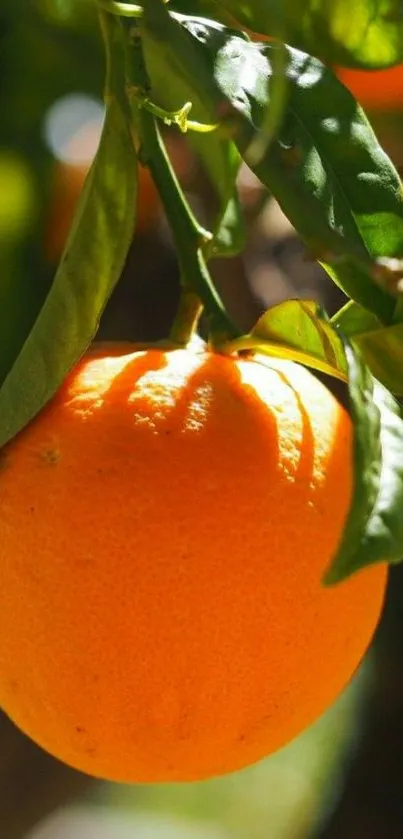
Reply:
x=165 y=524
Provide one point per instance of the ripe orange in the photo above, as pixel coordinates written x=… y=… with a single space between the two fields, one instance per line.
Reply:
x=165 y=523
x=375 y=89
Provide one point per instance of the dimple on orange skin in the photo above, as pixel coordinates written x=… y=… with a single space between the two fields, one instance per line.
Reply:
x=165 y=524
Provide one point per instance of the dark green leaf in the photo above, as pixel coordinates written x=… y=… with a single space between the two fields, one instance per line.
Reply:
x=326 y=168
x=374 y=530
x=91 y=265
x=360 y=33
x=398 y=315
x=213 y=9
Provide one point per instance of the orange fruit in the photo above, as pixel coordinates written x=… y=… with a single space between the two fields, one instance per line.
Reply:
x=165 y=524
x=375 y=89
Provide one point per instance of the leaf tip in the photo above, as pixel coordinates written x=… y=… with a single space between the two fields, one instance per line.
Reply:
x=333 y=575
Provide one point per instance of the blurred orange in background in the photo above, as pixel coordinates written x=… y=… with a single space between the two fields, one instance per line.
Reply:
x=375 y=89
x=67 y=180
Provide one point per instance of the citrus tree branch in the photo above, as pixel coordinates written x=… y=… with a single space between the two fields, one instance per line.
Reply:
x=189 y=236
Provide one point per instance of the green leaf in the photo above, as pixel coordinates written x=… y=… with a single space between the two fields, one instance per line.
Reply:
x=353 y=319
x=213 y=9
x=89 y=268
x=382 y=350
x=374 y=529
x=325 y=167
x=381 y=346
x=179 y=70
x=398 y=316
x=301 y=331
x=229 y=227
x=365 y=33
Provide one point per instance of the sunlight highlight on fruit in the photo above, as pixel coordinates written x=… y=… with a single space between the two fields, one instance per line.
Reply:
x=166 y=522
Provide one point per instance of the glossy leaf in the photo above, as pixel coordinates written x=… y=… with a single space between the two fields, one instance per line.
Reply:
x=326 y=168
x=179 y=71
x=374 y=530
x=300 y=330
x=361 y=33
x=89 y=268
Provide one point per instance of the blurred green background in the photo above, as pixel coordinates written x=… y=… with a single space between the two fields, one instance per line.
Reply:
x=341 y=778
